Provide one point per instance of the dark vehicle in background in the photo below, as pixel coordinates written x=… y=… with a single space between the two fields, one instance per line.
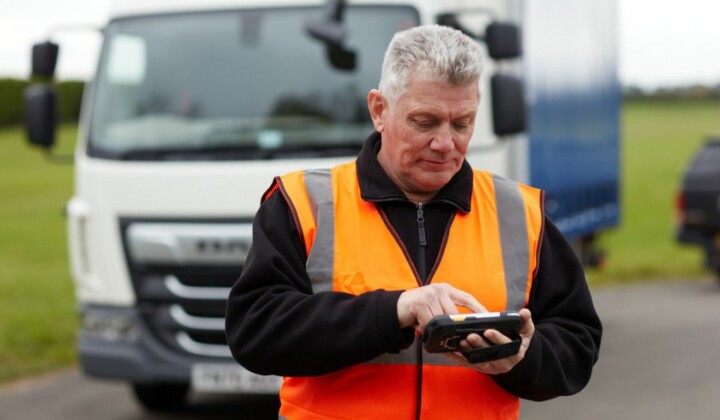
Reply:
x=698 y=204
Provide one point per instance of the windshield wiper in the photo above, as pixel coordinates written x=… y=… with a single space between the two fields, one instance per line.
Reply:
x=191 y=153
x=234 y=153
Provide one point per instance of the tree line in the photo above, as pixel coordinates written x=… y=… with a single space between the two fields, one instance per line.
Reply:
x=692 y=91
x=70 y=97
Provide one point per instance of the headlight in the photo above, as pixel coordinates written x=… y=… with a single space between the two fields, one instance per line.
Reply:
x=108 y=326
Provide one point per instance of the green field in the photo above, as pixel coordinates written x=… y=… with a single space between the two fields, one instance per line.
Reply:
x=37 y=310
x=659 y=140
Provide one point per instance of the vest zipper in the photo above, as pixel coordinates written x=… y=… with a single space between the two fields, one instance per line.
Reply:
x=422 y=271
x=422 y=249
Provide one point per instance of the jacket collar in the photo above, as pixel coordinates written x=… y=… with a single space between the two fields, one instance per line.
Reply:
x=376 y=185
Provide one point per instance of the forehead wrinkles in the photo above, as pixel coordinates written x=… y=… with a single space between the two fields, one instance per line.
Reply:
x=435 y=110
x=439 y=99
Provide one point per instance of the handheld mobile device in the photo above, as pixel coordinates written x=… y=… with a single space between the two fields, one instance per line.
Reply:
x=444 y=332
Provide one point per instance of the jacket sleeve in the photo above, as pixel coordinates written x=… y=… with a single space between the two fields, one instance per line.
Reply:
x=275 y=324
x=568 y=331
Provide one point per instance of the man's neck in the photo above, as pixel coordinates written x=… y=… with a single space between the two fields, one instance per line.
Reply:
x=415 y=197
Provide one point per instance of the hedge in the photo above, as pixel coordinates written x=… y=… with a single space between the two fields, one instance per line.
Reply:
x=11 y=100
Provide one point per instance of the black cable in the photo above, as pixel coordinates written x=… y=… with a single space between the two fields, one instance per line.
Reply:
x=419 y=375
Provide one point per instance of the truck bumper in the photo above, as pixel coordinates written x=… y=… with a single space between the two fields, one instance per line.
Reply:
x=115 y=343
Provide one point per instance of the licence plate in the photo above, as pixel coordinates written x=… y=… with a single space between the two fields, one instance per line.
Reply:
x=217 y=377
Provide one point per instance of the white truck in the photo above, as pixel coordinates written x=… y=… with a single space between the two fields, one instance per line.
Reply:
x=196 y=105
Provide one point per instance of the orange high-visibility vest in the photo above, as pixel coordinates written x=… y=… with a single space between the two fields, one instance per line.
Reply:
x=490 y=252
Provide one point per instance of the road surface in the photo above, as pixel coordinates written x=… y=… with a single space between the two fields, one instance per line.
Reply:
x=658 y=361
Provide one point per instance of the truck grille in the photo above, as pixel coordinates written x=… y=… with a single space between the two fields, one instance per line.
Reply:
x=182 y=273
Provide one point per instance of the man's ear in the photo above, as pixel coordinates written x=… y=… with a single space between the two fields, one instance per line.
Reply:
x=378 y=106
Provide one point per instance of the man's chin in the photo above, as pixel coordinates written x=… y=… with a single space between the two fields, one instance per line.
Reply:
x=435 y=184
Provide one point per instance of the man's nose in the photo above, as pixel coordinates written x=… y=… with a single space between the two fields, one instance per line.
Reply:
x=443 y=140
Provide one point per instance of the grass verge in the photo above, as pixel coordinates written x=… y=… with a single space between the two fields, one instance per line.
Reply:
x=37 y=314
x=659 y=141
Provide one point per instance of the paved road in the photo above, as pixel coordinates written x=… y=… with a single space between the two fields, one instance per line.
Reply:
x=71 y=396
x=658 y=361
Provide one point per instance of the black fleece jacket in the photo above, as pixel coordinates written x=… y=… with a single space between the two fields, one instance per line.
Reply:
x=276 y=325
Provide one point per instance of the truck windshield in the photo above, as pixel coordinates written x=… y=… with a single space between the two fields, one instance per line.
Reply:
x=245 y=84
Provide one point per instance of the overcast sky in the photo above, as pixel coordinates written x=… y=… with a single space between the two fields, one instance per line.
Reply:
x=662 y=43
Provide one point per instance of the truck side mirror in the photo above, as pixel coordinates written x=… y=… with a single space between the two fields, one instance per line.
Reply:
x=503 y=40
x=341 y=58
x=330 y=31
x=40 y=114
x=508 y=105
x=332 y=35
x=44 y=59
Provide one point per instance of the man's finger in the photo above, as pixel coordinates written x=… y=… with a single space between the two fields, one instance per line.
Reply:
x=466 y=300
x=528 y=328
x=496 y=337
x=423 y=317
x=448 y=305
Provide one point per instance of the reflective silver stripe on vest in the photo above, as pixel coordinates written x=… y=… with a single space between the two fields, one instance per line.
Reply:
x=320 y=262
x=513 y=240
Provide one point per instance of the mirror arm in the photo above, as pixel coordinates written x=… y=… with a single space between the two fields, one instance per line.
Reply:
x=451 y=20
x=335 y=10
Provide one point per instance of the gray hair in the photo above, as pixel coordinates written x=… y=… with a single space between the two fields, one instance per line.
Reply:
x=434 y=51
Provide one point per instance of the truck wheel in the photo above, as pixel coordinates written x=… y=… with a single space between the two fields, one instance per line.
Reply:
x=161 y=396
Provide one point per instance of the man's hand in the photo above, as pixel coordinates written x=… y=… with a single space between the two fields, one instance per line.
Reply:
x=502 y=365
x=416 y=307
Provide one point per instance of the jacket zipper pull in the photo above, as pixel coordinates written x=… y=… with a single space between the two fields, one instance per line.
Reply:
x=421 y=224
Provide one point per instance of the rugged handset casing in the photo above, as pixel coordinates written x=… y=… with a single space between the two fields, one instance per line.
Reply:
x=444 y=332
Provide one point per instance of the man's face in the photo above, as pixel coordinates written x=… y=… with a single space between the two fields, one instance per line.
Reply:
x=425 y=133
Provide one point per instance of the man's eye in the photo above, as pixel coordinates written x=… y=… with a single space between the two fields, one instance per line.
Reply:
x=461 y=126
x=424 y=125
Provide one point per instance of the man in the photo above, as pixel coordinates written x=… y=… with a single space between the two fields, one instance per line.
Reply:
x=348 y=264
